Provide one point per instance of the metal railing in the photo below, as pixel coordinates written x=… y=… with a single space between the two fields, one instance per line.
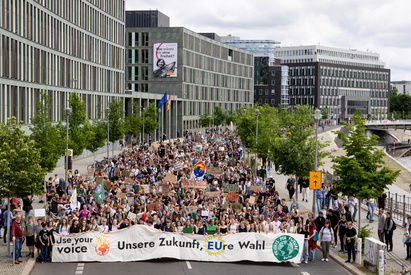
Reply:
x=399 y=206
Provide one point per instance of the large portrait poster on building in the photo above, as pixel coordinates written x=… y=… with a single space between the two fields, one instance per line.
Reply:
x=165 y=60
x=140 y=242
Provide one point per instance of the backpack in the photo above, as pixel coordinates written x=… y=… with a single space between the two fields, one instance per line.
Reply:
x=315 y=238
x=394 y=226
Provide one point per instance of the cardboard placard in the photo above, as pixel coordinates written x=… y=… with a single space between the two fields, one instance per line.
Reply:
x=230 y=188
x=252 y=200
x=152 y=206
x=121 y=195
x=99 y=179
x=117 y=172
x=125 y=173
x=231 y=196
x=129 y=146
x=130 y=200
x=236 y=206
x=257 y=188
x=204 y=213
x=215 y=171
x=38 y=213
x=129 y=181
x=191 y=209
x=90 y=172
x=107 y=185
x=214 y=194
x=178 y=167
x=144 y=189
x=164 y=189
x=170 y=178
x=193 y=184
x=129 y=187
x=151 y=162
x=131 y=216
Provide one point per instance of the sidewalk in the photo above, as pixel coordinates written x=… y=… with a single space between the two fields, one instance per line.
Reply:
x=6 y=262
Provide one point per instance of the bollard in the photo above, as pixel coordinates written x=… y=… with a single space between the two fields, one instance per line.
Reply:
x=358 y=257
x=381 y=262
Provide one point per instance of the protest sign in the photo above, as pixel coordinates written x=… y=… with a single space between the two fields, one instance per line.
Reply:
x=131 y=216
x=230 y=188
x=141 y=243
x=178 y=166
x=99 y=179
x=38 y=213
x=231 y=196
x=170 y=178
x=213 y=194
x=257 y=188
x=130 y=200
x=152 y=206
x=144 y=189
x=193 y=184
x=90 y=172
x=129 y=181
x=120 y=195
x=215 y=171
x=164 y=189
x=252 y=200
x=191 y=209
x=236 y=206
x=107 y=185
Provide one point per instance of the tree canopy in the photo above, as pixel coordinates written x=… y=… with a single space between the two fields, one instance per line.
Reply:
x=150 y=119
x=219 y=116
x=117 y=127
x=21 y=173
x=205 y=119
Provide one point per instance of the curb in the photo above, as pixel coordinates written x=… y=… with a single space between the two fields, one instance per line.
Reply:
x=351 y=268
x=28 y=267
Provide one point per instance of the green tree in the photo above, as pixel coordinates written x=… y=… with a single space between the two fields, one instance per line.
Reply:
x=294 y=152
x=20 y=163
x=400 y=105
x=324 y=113
x=231 y=117
x=360 y=171
x=45 y=135
x=219 y=116
x=205 y=119
x=358 y=112
x=134 y=121
x=99 y=128
x=117 y=126
x=80 y=130
x=150 y=119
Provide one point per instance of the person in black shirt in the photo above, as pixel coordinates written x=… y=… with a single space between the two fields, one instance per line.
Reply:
x=44 y=238
x=333 y=218
x=382 y=201
x=342 y=227
x=350 y=240
x=319 y=221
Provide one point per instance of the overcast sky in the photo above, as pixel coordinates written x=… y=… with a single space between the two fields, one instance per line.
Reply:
x=376 y=25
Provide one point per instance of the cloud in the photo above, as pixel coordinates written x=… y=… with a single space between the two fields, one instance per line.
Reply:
x=375 y=25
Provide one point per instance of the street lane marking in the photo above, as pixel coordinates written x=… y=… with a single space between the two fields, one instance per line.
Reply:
x=305 y=273
x=78 y=272
x=188 y=265
x=79 y=269
x=80 y=264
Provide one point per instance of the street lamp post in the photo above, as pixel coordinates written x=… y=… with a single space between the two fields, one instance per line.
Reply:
x=68 y=112
x=257 y=113
x=108 y=133
x=160 y=118
x=144 y=115
x=317 y=117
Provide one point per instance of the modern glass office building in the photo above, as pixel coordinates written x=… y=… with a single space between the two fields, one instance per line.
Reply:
x=60 y=47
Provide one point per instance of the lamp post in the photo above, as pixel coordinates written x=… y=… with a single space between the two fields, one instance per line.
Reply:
x=317 y=117
x=68 y=113
x=144 y=118
x=108 y=133
x=160 y=120
x=257 y=113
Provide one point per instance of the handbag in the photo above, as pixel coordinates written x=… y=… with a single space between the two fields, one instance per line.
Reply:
x=315 y=238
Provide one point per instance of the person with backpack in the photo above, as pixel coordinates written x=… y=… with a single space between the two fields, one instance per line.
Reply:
x=389 y=227
x=313 y=238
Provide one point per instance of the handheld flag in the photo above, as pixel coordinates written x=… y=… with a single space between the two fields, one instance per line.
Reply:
x=199 y=171
x=73 y=200
x=168 y=102
x=99 y=194
x=163 y=100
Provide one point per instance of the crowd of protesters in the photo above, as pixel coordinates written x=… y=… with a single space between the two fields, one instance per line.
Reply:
x=257 y=206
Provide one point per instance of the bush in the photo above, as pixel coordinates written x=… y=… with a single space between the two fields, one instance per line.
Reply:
x=365 y=232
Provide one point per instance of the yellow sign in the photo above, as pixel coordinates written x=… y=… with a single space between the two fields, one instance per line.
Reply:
x=315 y=180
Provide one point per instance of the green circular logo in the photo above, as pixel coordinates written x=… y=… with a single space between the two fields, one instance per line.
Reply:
x=285 y=248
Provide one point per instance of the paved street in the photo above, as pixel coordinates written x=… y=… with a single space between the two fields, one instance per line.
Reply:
x=171 y=267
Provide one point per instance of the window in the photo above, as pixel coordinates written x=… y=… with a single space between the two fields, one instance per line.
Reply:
x=266 y=91
x=272 y=73
x=144 y=87
x=260 y=101
x=260 y=91
x=273 y=82
x=273 y=92
x=144 y=39
x=266 y=101
x=255 y=91
x=144 y=56
x=272 y=101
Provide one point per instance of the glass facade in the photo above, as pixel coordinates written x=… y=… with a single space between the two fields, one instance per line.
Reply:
x=60 y=47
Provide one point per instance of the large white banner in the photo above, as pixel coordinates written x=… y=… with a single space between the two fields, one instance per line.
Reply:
x=140 y=242
x=165 y=59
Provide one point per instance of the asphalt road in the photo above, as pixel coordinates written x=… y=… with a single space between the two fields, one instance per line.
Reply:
x=171 y=267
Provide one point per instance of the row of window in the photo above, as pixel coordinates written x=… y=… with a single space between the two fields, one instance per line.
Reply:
x=133 y=39
x=265 y=101
x=266 y=92
x=21 y=101
x=90 y=16
x=197 y=43
x=22 y=62
x=353 y=83
x=336 y=101
x=351 y=73
x=44 y=28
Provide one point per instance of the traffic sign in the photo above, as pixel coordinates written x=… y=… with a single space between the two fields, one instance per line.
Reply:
x=315 y=180
x=70 y=152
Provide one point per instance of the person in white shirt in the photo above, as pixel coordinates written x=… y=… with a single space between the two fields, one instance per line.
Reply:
x=276 y=223
x=104 y=227
x=267 y=222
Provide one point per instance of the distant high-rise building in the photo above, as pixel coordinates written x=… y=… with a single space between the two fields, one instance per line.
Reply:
x=339 y=80
x=146 y=19
x=60 y=47
x=403 y=87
